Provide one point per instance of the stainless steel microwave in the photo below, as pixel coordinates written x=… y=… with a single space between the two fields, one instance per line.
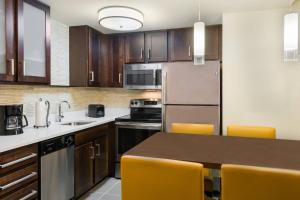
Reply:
x=142 y=76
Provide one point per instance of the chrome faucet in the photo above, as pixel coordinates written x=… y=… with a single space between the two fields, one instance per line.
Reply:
x=60 y=113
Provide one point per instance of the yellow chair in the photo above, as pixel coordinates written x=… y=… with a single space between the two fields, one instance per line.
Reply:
x=257 y=183
x=251 y=131
x=160 y=179
x=203 y=129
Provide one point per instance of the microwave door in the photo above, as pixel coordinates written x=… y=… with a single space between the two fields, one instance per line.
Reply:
x=140 y=79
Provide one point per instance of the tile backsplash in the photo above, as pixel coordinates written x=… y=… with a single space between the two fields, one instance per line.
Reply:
x=78 y=97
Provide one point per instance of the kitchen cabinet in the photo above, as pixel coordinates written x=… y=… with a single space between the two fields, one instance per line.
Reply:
x=181 y=44
x=213 y=40
x=33 y=26
x=92 y=157
x=106 y=61
x=84 y=56
x=7 y=38
x=135 y=47
x=84 y=166
x=118 y=59
x=19 y=166
x=25 y=27
x=156 y=46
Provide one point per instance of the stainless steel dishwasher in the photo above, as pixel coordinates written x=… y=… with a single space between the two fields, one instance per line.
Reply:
x=57 y=168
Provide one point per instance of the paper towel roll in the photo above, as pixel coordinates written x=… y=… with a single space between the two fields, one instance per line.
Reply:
x=40 y=113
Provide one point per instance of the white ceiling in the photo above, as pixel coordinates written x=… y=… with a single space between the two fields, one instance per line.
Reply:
x=159 y=14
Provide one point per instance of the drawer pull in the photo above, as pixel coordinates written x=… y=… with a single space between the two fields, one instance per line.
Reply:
x=17 y=161
x=18 y=181
x=98 y=150
x=28 y=196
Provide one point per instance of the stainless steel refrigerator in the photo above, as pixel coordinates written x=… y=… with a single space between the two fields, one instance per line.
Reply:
x=191 y=94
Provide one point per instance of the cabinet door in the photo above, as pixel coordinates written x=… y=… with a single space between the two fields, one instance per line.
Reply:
x=84 y=167
x=33 y=42
x=213 y=40
x=181 y=44
x=101 y=158
x=7 y=39
x=106 y=61
x=118 y=59
x=94 y=57
x=134 y=48
x=156 y=46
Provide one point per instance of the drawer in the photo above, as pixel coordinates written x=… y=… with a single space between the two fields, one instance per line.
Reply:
x=17 y=158
x=18 y=179
x=91 y=134
x=28 y=192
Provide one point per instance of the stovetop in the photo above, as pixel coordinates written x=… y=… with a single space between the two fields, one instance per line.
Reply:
x=130 y=118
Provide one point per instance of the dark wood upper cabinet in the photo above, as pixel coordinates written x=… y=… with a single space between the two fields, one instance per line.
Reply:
x=106 y=61
x=213 y=40
x=94 y=57
x=135 y=47
x=118 y=59
x=84 y=56
x=156 y=46
x=33 y=26
x=181 y=44
x=8 y=57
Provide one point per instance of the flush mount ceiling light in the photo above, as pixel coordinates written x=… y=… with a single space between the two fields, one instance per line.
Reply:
x=120 y=18
x=199 y=41
x=291 y=35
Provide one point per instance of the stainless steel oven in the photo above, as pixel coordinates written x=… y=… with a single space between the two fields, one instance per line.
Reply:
x=144 y=121
x=142 y=76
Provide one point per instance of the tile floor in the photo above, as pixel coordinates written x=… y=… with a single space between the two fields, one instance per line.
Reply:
x=109 y=189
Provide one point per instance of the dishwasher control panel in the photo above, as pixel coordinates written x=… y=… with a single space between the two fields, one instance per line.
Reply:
x=56 y=144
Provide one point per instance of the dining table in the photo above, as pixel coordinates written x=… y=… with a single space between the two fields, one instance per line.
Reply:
x=213 y=151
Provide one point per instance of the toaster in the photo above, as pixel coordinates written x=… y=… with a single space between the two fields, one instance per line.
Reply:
x=96 y=110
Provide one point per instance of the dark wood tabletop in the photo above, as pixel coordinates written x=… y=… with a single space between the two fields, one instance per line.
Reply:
x=213 y=151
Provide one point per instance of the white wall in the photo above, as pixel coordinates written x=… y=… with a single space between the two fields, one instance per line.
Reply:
x=59 y=53
x=258 y=87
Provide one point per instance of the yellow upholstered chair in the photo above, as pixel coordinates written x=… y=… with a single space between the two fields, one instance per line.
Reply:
x=203 y=129
x=251 y=131
x=160 y=179
x=257 y=183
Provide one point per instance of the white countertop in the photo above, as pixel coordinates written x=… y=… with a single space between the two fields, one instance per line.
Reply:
x=32 y=135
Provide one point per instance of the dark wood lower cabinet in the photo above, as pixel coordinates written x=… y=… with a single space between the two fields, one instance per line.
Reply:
x=84 y=166
x=92 y=157
x=101 y=158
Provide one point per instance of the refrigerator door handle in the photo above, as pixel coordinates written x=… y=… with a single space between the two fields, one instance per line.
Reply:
x=164 y=92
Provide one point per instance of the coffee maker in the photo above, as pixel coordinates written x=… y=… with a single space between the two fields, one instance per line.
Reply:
x=11 y=119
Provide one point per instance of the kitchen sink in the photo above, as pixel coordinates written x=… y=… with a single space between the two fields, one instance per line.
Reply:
x=80 y=123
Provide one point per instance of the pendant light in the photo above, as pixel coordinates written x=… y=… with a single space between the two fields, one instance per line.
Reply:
x=120 y=18
x=291 y=35
x=199 y=41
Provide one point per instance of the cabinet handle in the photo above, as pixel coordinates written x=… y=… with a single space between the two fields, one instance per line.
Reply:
x=120 y=77
x=149 y=54
x=189 y=50
x=12 y=66
x=18 y=181
x=24 y=67
x=93 y=152
x=98 y=150
x=92 y=76
x=142 y=53
x=28 y=196
x=17 y=161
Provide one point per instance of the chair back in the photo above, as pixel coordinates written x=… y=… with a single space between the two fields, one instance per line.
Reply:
x=251 y=131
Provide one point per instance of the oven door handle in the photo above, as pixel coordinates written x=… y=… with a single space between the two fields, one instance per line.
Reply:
x=148 y=126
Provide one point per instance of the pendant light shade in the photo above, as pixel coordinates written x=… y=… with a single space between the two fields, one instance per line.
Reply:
x=291 y=37
x=199 y=43
x=120 y=18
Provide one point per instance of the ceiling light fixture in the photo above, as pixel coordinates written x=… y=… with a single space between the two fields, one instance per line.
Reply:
x=120 y=18
x=199 y=41
x=291 y=35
